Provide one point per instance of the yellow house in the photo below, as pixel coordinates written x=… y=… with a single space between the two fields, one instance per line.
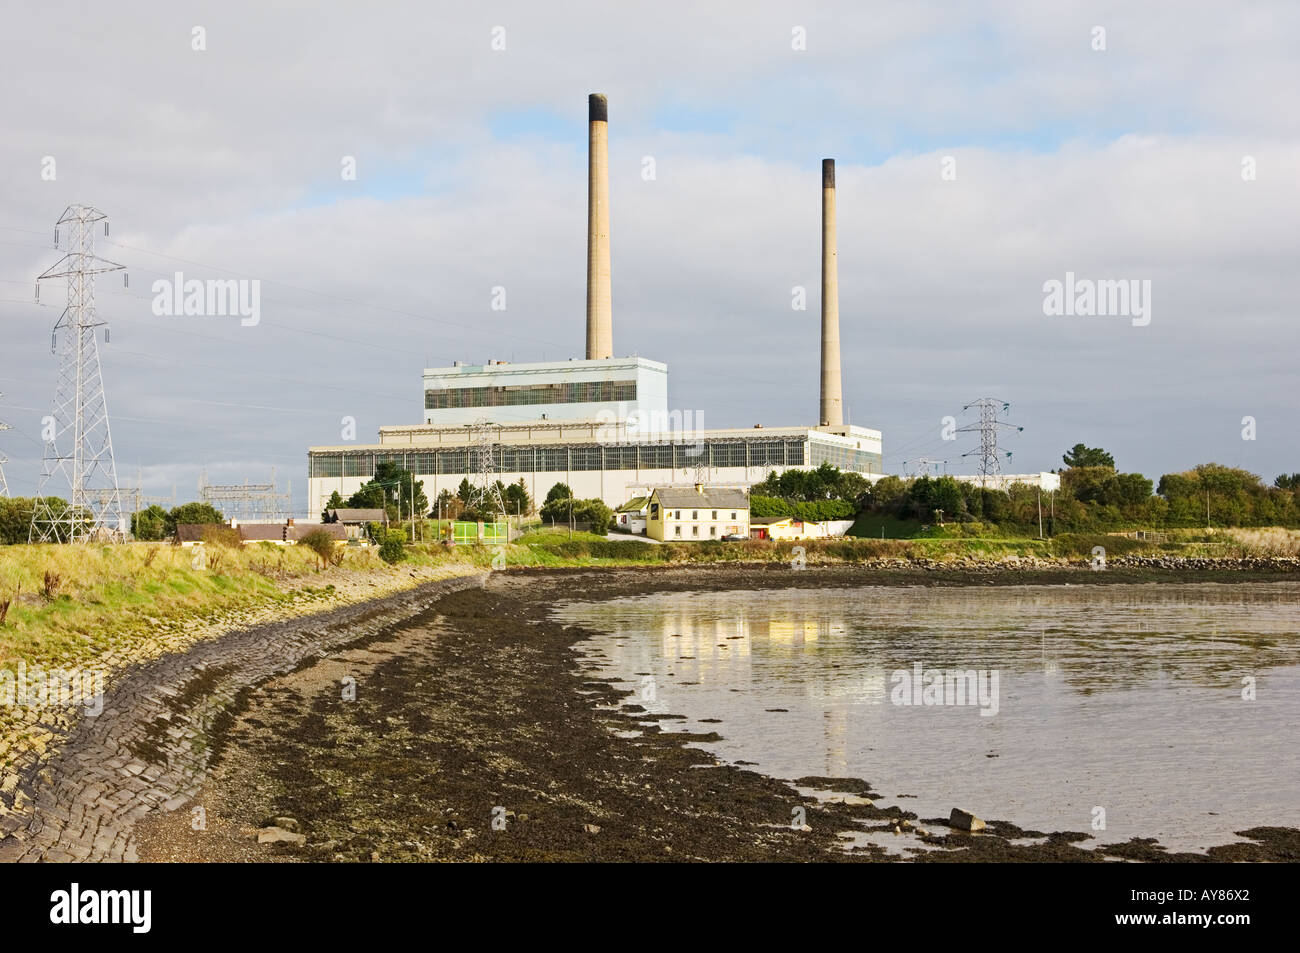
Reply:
x=705 y=512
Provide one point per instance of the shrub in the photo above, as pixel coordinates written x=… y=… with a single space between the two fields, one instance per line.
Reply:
x=322 y=544
x=393 y=548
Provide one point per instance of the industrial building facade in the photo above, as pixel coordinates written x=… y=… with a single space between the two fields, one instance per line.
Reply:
x=558 y=390
x=595 y=458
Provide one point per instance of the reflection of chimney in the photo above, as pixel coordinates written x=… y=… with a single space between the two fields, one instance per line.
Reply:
x=600 y=324
x=832 y=404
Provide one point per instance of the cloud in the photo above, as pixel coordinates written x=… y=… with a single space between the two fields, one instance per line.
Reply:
x=1117 y=164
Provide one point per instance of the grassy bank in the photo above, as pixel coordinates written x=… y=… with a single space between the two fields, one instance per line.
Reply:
x=558 y=548
x=70 y=604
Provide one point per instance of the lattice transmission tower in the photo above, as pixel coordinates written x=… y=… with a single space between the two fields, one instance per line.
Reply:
x=988 y=452
x=78 y=457
x=487 y=495
x=4 y=486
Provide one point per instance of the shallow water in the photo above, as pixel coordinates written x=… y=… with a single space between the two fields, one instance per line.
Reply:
x=1126 y=698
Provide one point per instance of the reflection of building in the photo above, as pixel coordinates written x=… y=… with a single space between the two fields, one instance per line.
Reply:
x=704 y=512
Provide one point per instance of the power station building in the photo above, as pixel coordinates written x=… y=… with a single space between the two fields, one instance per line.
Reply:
x=602 y=425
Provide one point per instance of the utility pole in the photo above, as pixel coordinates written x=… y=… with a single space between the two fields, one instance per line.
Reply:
x=80 y=419
x=1038 y=492
x=990 y=409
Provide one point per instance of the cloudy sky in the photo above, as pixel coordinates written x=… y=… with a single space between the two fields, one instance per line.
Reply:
x=1171 y=155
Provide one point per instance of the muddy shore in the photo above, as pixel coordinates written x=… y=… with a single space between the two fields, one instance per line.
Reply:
x=476 y=711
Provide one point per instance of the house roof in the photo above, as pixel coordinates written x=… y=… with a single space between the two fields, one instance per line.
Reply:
x=769 y=520
x=298 y=530
x=686 y=497
x=634 y=505
x=191 y=532
x=258 y=532
x=359 y=516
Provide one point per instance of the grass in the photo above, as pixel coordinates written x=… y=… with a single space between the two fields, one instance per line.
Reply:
x=71 y=603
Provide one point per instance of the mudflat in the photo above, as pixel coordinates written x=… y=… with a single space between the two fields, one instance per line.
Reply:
x=470 y=733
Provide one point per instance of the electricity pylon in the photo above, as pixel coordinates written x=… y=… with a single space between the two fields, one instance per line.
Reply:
x=990 y=408
x=486 y=494
x=79 y=424
x=4 y=486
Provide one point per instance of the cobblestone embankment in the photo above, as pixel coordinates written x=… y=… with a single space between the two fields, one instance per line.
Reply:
x=77 y=793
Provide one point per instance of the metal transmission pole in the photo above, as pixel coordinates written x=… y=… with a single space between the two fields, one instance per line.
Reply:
x=990 y=409
x=4 y=486
x=80 y=420
x=486 y=494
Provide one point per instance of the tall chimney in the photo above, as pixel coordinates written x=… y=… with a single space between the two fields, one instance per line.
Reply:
x=832 y=404
x=600 y=324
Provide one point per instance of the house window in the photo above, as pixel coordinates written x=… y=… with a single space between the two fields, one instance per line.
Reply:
x=695 y=514
x=677 y=515
x=677 y=530
x=715 y=514
x=713 y=531
x=733 y=516
x=695 y=531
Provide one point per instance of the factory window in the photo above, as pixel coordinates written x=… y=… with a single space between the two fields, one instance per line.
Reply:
x=552 y=459
x=358 y=465
x=398 y=459
x=517 y=459
x=690 y=454
x=794 y=453
x=656 y=456
x=326 y=465
x=520 y=395
x=620 y=458
x=767 y=453
x=728 y=454
x=421 y=462
x=584 y=458
x=452 y=461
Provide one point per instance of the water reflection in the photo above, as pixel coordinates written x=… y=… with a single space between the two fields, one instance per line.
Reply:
x=1126 y=696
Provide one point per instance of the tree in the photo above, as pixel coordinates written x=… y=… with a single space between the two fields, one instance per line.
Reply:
x=335 y=503
x=1081 y=456
x=447 y=505
x=465 y=492
x=16 y=518
x=517 y=498
x=1285 y=482
x=192 y=513
x=149 y=524
x=391 y=489
x=559 y=504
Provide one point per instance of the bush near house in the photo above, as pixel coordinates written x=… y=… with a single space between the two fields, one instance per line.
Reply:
x=393 y=548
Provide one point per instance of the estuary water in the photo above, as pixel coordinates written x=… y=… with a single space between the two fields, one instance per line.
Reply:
x=1159 y=710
